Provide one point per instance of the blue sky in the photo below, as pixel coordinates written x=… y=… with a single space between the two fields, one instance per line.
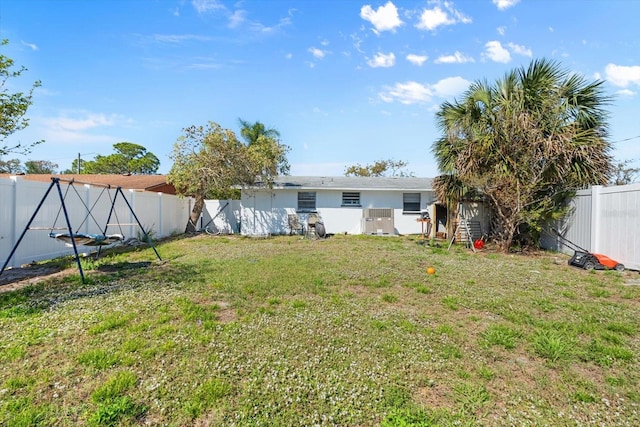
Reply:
x=343 y=81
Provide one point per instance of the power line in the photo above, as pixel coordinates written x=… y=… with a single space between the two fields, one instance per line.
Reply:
x=626 y=139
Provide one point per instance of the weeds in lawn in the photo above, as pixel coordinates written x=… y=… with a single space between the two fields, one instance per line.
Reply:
x=390 y=298
x=114 y=411
x=501 y=335
x=344 y=331
x=552 y=345
x=209 y=393
x=471 y=396
x=98 y=359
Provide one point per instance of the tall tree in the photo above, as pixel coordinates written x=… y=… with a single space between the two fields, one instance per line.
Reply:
x=526 y=142
x=210 y=162
x=129 y=158
x=266 y=143
x=40 y=167
x=11 y=166
x=13 y=106
x=387 y=167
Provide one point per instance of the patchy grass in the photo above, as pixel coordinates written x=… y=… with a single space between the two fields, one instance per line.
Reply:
x=344 y=331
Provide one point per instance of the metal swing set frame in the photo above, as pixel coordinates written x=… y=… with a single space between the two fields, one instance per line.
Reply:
x=75 y=239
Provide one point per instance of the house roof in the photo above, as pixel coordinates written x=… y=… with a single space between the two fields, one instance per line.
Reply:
x=354 y=183
x=155 y=183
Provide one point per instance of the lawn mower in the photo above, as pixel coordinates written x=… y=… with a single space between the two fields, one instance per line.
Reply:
x=582 y=258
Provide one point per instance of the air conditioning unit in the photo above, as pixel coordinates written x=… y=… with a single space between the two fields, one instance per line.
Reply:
x=378 y=221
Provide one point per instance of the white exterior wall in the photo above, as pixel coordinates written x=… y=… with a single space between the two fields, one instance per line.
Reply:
x=264 y=213
x=163 y=214
x=222 y=215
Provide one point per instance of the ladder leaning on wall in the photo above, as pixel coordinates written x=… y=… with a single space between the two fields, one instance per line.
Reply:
x=463 y=225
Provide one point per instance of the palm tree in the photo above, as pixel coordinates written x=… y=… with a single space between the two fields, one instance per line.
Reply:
x=451 y=191
x=526 y=141
x=266 y=141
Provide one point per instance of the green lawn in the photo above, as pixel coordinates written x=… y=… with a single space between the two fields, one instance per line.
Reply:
x=347 y=331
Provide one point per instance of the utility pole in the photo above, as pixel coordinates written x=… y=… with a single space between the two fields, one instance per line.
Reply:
x=78 y=163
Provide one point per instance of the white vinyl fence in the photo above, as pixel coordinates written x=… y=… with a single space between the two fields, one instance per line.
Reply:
x=161 y=214
x=604 y=220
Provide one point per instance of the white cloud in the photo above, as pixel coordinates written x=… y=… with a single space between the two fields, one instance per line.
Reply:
x=495 y=52
x=238 y=18
x=451 y=86
x=502 y=30
x=417 y=93
x=80 y=126
x=30 y=45
x=178 y=38
x=204 y=6
x=417 y=59
x=257 y=27
x=382 y=60
x=407 y=93
x=505 y=4
x=623 y=76
x=457 y=57
x=90 y=121
x=318 y=53
x=384 y=19
x=625 y=92
x=433 y=18
x=520 y=50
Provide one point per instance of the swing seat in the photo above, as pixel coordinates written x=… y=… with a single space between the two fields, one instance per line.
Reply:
x=87 y=239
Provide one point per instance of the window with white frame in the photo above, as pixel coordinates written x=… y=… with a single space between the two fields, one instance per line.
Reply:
x=350 y=198
x=306 y=201
x=411 y=203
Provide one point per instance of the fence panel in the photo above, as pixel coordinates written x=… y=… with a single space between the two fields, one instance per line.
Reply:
x=7 y=216
x=618 y=224
x=577 y=226
x=605 y=220
x=88 y=208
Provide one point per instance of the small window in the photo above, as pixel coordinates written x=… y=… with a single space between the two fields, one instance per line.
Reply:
x=306 y=201
x=411 y=203
x=350 y=198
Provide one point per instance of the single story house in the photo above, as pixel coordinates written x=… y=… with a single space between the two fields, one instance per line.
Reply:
x=347 y=205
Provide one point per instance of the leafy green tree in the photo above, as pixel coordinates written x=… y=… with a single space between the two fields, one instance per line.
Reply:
x=624 y=173
x=128 y=158
x=13 y=106
x=74 y=167
x=388 y=167
x=526 y=142
x=210 y=162
x=40 y=167
x=266 y=142
x=11 y=166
